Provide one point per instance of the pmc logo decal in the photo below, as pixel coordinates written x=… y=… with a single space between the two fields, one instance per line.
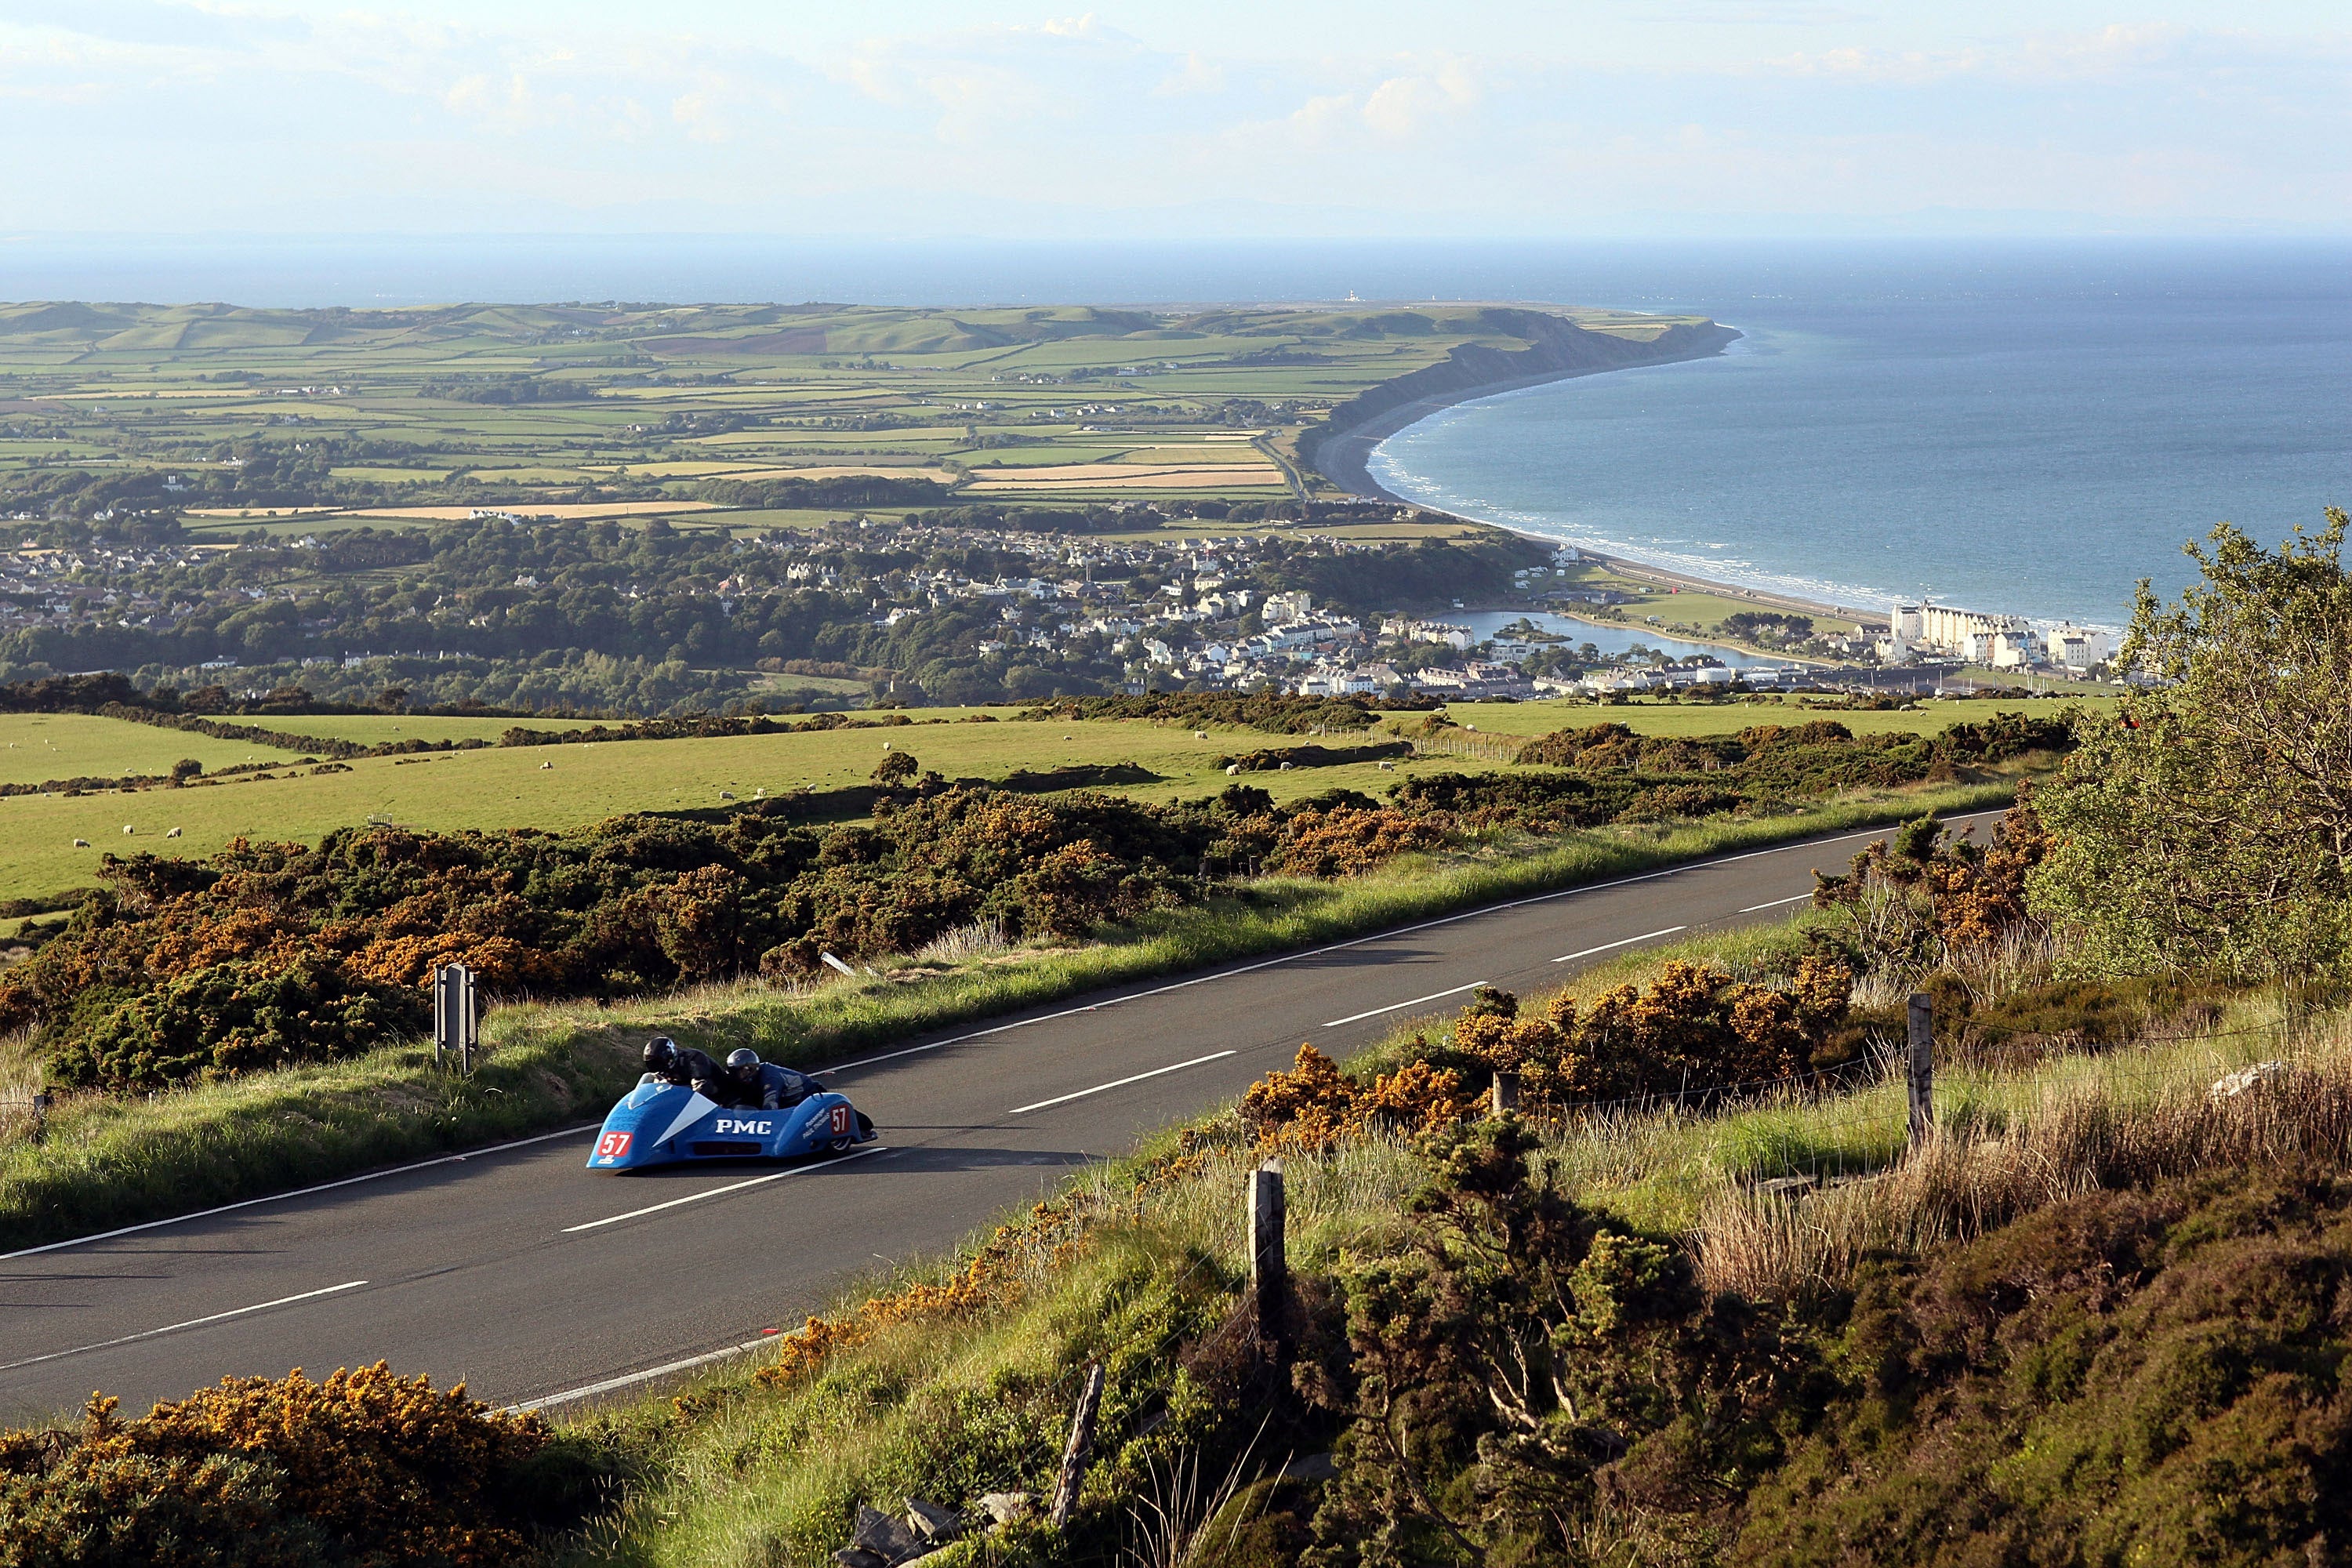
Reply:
x=762 y=1128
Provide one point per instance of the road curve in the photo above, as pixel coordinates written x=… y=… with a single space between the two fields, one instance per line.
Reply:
x=516 y=1270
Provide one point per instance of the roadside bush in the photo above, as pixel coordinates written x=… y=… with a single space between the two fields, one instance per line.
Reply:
x=1693 y=1029
x=367 y=1469
x=1313 y=1105
x=1348 y=841
x=1527 y=1377
x=1923 y=898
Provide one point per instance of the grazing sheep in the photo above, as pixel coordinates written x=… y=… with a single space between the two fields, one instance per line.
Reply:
x=126 y=830
x=544 y=766
x=727 y=794
x=1388 y=767
x=174 y=834
x=1232 y=768
x=81 y=843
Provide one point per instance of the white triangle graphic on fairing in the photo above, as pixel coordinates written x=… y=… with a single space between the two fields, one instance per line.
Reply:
x=696 y=1109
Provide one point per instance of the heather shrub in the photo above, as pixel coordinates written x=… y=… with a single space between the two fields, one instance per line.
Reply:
x=2124 y=1377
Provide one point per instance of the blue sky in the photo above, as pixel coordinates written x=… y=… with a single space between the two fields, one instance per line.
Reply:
x=1307 y=118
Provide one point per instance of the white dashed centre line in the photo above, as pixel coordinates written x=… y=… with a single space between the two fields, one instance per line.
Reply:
x=1376 y=1012
x=1120 y=1083
x=191 y=1323
x=1776 y=903
x=1606 y=946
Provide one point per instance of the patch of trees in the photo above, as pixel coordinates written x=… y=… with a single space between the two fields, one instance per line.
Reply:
x=841 y=491
x=1767 y=626
x=506 y=390
x=2209 y=824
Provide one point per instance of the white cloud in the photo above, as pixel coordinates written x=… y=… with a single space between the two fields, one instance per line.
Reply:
x=1072 y=123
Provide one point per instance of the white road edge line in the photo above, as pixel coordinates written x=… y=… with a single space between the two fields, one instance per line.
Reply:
x=720 y=1192
x=306 y=1192
x=1774 y=904
x=1120 y=1083
x=1606 y=946
x=591 y=1390
x=191 y=1323
x=1576 y=893
x=1376 y=1012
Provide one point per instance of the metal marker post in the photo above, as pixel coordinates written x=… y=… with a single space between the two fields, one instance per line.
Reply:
x=456 y=1022
x=1921 y=1065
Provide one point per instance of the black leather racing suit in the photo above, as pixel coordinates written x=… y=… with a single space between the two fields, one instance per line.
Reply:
x=695 y=1069
x=774 y=1089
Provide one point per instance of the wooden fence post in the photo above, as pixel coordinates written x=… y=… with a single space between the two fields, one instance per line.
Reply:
x=1082 y=1443
x=1269 y=1263
x=1507 y=1094
x=1921 y=1063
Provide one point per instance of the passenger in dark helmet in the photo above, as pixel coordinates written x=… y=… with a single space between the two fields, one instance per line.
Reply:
x=764 y=1086
x=673 y=1063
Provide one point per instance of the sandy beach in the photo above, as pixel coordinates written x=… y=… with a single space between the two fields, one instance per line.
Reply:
x=1344 y=458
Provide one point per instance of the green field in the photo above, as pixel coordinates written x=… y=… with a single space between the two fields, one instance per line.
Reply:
x=1030 y=403
x=38 y=747
x=557 y=787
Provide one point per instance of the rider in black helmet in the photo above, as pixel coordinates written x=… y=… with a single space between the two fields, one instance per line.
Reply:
x=672 y=1063
x=764 y=1086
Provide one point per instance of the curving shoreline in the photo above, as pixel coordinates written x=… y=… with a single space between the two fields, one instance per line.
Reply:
x=1557 y=350
x=1343 y=453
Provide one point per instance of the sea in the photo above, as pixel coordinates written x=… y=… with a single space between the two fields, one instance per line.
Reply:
x=2023 y=427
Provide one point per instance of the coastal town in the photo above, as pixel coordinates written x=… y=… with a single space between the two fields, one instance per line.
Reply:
x=1209 y=613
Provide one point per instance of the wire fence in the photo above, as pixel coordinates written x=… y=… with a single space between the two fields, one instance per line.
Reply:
x=1484 y=748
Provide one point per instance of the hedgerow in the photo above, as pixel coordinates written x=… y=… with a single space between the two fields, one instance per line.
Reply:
x=1256 y=710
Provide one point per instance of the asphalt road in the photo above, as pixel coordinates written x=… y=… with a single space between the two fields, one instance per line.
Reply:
x=516 y=1270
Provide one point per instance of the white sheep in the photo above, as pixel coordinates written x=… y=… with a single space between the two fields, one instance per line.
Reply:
x=174 y=834
x=81 y=843
x=126 y=830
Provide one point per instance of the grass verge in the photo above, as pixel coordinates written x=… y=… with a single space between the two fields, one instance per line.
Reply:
x=108 y=1162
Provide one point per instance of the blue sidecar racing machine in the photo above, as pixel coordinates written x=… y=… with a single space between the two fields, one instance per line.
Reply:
x=659 y=1123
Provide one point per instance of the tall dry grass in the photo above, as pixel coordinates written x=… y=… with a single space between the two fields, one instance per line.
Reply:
x=2116 y=1122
